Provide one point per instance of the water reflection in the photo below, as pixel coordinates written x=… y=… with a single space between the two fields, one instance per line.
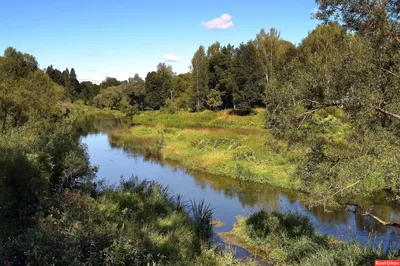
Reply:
x=228 y=197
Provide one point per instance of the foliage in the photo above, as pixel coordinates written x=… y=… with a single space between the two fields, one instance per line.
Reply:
x=249 y=79
x=214 y=99
x=200 y=80
x=26 y=93
x=136 y=223
x=290 y=239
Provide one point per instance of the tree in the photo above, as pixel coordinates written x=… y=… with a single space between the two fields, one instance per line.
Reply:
x=26 y=93
x=220 y=71
x=200 y=79
x=368 y=18
x=74 y=83
x=378 y=23
x=109 y=82
x=154 y=97
x=165 y=75
x=88 y=91
x=274 y=52
x=181 y=88
x=249 y=78
x=214 y=99
x=137 y=91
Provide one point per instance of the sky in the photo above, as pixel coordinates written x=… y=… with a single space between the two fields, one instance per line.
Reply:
x=119 y=38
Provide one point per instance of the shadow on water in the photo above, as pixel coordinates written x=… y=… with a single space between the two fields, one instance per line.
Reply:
x=228 y=197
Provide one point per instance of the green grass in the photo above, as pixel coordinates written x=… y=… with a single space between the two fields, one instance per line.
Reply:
x=182 y=119
x=138 y=223
x=82 y=109
x=213 y=142
x=290 y=239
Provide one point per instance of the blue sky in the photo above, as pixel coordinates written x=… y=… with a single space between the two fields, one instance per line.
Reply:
x=120 y=38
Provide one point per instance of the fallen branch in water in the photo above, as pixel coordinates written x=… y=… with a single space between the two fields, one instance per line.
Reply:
x=387 y=113
x=361 y=211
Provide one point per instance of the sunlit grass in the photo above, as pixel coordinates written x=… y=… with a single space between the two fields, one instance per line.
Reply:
x=216 y=151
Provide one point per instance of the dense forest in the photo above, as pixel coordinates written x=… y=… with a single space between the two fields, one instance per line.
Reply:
x=335 y=96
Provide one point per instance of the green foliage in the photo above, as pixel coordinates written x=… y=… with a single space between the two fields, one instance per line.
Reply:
x=127 y=97
x=26 y=93
x=200 y=80
x=327 y=99
x=214 y=99
x=135 y=224
x=158 y=86
x=289 y=239
x=249 y=79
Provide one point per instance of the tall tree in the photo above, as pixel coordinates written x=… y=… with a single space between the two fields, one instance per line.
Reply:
x=220 y=71
x=137 y=91
x=274 y=52
x=181 y=87
x=154 y=97
x=249 y=78
x=109 y=82
x=200 y=79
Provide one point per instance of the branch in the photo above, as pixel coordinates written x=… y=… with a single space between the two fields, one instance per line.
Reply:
x=340 y=190
x=387 y=113
x=367 y=213
x=307 y=113
x=390 y=72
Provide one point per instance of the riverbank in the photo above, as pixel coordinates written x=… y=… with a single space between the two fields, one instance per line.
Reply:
x=290 y=239
x=213 y=142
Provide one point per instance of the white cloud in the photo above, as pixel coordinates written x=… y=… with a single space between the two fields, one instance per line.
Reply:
x=171 y=58
x=223 y=22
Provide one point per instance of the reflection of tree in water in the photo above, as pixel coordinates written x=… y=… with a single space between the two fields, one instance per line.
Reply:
x=94 y=124
x=250 y=194
x=330 y=217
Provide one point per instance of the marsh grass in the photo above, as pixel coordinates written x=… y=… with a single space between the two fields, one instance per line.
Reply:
x=220 y=151
x=202 y=216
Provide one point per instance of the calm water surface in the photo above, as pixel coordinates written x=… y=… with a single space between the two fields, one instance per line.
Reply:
x=229 y=198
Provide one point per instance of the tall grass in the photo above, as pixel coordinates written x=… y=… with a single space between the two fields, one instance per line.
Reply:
x=224 y=153
x=202 y=215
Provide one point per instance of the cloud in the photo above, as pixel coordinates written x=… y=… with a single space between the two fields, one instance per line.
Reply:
x=223 y=22
x=93 y=53
x=171 y=58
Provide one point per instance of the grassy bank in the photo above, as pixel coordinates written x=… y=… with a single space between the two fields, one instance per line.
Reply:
x=81 y=109
x=290 y=239
x=138 y=223
x=213 y=142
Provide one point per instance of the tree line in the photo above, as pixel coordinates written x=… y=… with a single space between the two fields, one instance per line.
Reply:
x=221 y=77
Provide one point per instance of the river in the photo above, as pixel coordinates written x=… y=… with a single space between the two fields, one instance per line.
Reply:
x=228 y=198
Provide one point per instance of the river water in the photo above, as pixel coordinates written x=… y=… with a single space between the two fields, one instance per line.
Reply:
x=229 y=198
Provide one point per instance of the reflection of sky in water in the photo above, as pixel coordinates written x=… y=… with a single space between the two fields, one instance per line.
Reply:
x=230 y=198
